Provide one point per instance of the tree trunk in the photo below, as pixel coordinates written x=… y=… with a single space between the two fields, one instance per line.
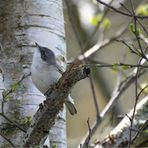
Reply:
x=23 y=23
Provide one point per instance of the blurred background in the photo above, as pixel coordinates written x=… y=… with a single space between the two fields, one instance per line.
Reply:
x=83 y=30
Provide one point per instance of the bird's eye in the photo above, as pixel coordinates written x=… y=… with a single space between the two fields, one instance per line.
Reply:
x=43 y=55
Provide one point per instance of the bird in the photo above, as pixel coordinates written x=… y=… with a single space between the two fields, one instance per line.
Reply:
x=45 y=71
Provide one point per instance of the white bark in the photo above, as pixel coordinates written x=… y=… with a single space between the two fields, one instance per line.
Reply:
x=26 y=22
x=58 y=132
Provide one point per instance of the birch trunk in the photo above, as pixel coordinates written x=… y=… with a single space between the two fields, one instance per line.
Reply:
x=21 y=24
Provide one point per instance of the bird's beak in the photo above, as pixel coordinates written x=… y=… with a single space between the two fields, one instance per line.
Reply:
x=37 y=45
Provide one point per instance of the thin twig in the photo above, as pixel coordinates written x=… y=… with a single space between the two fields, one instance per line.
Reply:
x=137 y=72
x=116 y=95
x=17 y=83
x=142 y=27
x=140 y=130
x=136 y=101
x=132 y=48
x=87 y=43
x=89 y=129
x=132 y=6
x=128 y=117
x=4 y=100
x=72 y=21
x=132 y=118
x=94 y=97
x=125 y=7
x=85 y=60
x=141 y=36
x=122 y=87
x=93 y=129
x=135 y=30
x=118 y=136
x=106 y=42
x=5 y=94
x=8 y=140
x=127 y=66
x=120 y=12
x=13 y=123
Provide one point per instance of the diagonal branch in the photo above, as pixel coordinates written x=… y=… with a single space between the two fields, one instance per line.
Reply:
x=119 y=137
x=100 y=45
x=116 y=95
x=8 y=140
x=121 y=12
x=119 y=91
x=44 y=118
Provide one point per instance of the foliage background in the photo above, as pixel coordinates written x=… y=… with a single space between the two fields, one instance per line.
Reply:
x=81 y=15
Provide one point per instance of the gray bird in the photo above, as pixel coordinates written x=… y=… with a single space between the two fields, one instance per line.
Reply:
x=45 y=72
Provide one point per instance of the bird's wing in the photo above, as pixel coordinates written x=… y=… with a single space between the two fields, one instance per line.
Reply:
x=60 y=64
x=60 y=69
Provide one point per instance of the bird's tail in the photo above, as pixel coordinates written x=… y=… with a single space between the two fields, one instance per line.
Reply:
x=70 y=105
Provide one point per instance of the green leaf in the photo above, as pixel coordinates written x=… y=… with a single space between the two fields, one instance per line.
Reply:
x=55 y=146
x=115 y=67
x=26 y=120
x=7 y=95
x=131 y=48
x=142 y=10
x=96 y=19
x=138 y=30
x=15 y=86
x=106 y=24
x=146 y=131
x=138 y=52
x=132 y=27
x=125 y=67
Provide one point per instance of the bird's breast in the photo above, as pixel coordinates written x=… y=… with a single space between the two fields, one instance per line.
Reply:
x=43 y=78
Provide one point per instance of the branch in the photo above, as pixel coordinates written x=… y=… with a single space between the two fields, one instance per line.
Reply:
x=121 y=12
x=48 y=110
x=119 y=91
x=123 y=86
x=12 y=122
x=84 y=47
x=101 y=45
x=89 y=129
x=45 y=117
x=115 y=96
x=119 y=137
x=8 y=140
